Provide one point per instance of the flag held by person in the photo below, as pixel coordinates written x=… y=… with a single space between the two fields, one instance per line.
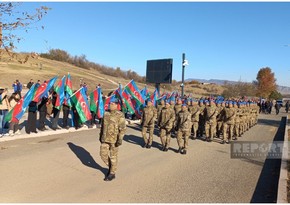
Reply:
x=19 y=109
x=42 y=90
x=80 y=101
x=133 y=90
x=59 y=89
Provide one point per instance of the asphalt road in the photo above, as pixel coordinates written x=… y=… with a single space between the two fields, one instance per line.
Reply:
x=67 y=168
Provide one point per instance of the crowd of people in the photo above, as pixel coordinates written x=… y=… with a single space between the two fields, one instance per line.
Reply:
x=46 y=108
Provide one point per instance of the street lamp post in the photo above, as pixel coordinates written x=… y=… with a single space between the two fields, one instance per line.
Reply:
x=184 y=63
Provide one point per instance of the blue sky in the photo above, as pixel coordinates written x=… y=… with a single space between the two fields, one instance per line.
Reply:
x=229 y=40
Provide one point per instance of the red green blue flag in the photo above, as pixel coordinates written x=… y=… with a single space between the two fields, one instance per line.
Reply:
x=80 y=101
x=19 y=109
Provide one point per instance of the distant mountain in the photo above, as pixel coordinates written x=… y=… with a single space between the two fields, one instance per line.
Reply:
x=282 y=89
x=214 y=81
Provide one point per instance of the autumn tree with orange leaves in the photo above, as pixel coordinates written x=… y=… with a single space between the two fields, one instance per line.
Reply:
x=266 y=82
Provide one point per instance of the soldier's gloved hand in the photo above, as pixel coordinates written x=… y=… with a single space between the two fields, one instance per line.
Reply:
x=118 y=143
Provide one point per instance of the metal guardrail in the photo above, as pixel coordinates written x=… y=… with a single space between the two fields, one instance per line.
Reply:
x=283 y=178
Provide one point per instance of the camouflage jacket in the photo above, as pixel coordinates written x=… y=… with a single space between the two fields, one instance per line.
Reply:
x=113 y=127
x=194 y=111
x=183 y=121
x=177 y=108
x=148 y=116
x=166 y=118
x=159 y=108
x=210 y=113
x=230 y=114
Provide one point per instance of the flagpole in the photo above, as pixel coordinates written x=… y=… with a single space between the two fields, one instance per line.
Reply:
x=128 y=83
x=76 y=92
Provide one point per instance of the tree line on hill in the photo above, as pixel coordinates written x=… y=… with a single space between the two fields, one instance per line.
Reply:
x=83 y=62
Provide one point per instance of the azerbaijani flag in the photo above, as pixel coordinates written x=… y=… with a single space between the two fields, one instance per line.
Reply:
x=59 y=89
x=133 y=90
x=100 y=108
x=108 y=100
x=19 y=109
x=145 y=93
x=153 y=97
x=118 y=93
x=128 y=102
x=42 y=90
x=137 y=108
x=94 y=99
x=68 y=90
x=80 y=101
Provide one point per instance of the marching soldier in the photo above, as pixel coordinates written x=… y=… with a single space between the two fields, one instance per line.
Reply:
x=220 y=117
x=165 y=123
x=210 y=120
x=183 y=128
x=228 y=126
x=237 y=122
x=148 y=118
x=201 y=118
x=194 y=111
x=159 y=107
x=111 y=136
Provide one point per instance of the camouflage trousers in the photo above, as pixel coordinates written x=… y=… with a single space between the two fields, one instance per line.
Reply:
x=219 y=127
x=201 y=127
x=237 y=129
x=210 y=129
x=182 y=139
x=165 y=135
x=109 y=154
x=194 y=128
x=228 y=131
x=144 y=132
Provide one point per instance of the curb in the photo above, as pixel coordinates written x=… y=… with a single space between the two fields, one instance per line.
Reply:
x=282 y=184
x=50 y=132
x=44 y=133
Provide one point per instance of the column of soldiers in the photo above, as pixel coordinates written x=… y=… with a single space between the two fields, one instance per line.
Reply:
x=203 y=119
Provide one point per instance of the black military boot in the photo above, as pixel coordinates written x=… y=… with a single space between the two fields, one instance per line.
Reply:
x=222 y=142
x=148 y=146
x=179 y=150
x=110 y=177
x=145 y=145
x=183 y=151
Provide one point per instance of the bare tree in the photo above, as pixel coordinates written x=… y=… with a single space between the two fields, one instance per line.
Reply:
x=11 y=20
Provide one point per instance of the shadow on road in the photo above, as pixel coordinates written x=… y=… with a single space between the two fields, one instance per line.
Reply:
x=267 y=186
x=85 y=157
x=139 y=141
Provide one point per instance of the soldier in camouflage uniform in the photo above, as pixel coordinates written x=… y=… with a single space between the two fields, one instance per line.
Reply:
x=111 y=136
x=237 y=121
x=194 y=110
x=183 y=128
x=177 y=109
x=165 y=123
x=159 y=107
x=201 y=122
x=210 y=114
x=241 y=116
x=228 y=126
x=148 y=118
x=220 y=117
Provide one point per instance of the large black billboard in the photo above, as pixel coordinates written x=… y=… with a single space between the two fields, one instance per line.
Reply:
x=159 y=71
